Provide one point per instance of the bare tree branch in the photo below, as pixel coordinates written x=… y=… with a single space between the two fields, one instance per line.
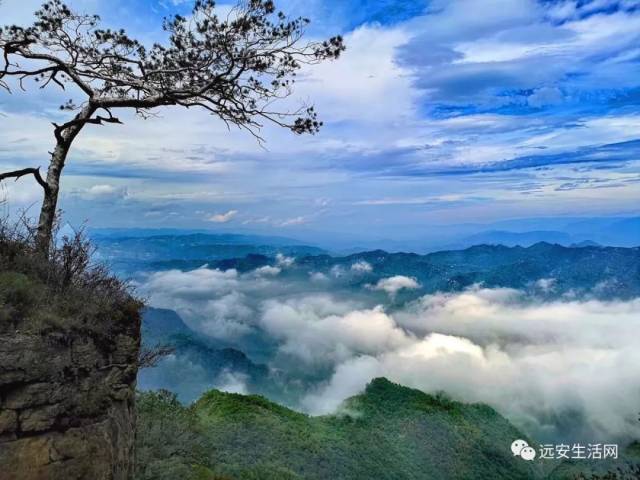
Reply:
x=26 y=171
x=150 y=356
x=233 y=68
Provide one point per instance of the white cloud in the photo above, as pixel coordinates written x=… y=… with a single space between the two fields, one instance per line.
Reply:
x=532 y=361
x=283 y=261
x=365 y=79
x=362 y=267
x=318 y=331
x=546 y=284
x=231 y=382
x=294 y=221
x=195 y=284
x=347 y=381
x=222 y=217
x=393 y=285
x=545 y=96
x=268 y=270
x=101 y=192
x=227 y=316
x=21 y=194
x=318 y=277
x=214 y=302
x=337 y=271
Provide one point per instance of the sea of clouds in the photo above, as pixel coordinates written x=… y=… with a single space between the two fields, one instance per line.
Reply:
x=566 y=369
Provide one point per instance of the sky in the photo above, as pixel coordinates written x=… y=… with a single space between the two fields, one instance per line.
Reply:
x=439 y=112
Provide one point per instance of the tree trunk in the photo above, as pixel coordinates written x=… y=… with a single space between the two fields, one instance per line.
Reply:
x=64 y=139
x=50 y=199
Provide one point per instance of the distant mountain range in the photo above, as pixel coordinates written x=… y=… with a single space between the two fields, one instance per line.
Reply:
x=511 y=239
x=123 y=234
x=126 y=253
x=602 y=272
x=612 y=231
x=542 y=271
x=577 y=266
x=623 y=232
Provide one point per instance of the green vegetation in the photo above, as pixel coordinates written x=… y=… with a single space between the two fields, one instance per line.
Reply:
x=631 y=472
x=388 y=432
x=64 y=292
x=170 y=445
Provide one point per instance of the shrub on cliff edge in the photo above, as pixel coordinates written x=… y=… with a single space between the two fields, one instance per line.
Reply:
x=66 y=291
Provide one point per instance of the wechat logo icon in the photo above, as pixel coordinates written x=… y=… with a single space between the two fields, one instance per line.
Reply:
x=521 y=448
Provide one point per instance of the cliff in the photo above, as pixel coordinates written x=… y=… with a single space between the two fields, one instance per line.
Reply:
x=69 y=341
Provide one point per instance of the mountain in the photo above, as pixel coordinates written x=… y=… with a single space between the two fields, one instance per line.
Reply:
x=543 y=269
x=624 y=232
x=585 y=243
x=197 y=362
x=387 y=432
x=510 y=239
x=543 y=272
x=613 y=231
x=219 y=238
x=160 y=323
x=127 y=254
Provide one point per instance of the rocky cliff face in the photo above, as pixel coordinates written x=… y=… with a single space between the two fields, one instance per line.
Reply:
x=67 y=393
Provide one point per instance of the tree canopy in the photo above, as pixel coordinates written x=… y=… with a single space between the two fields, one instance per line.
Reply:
x=235 y=67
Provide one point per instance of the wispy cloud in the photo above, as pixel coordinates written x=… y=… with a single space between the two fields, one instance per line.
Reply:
x=222 y=217
x=432 y=107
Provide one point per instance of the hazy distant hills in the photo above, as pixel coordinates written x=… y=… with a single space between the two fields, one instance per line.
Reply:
x=623 y=232
x=542 y=271
x=585 y=266
x=511 y=239
x=603 y=272
x=197 y=236
x=612 y=231
x=128 y=253
x=197 y=361
x=388 y=432
x=167 y=244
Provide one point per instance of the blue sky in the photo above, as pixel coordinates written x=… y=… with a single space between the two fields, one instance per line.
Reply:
x=441 y=111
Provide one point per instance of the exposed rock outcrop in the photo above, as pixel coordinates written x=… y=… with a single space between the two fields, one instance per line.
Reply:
x=67 y=398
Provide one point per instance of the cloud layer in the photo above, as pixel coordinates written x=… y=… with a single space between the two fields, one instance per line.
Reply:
x=497 y=108
x=562 y=370
x=559 y=370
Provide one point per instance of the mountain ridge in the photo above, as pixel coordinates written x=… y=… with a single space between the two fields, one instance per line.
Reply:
x=387 y=432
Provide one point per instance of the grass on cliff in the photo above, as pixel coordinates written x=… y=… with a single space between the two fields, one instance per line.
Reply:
x=65 y=291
